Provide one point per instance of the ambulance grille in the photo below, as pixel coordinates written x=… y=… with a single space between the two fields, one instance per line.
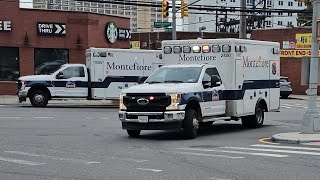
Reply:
x=157 y=102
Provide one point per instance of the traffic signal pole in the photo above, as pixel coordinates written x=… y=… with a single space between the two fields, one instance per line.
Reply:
x=311 y=118
x=174 y=20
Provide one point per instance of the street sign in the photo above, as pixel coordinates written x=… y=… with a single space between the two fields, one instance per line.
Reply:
x=51 y=29
x=135 y=44
x=303 y=41
x=161 y=24
x=168 y=30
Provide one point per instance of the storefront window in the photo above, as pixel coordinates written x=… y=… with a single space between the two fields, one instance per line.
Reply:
x=9 y=64
x=47 y=61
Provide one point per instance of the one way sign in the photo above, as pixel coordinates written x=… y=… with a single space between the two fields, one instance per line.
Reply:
x=51 y=29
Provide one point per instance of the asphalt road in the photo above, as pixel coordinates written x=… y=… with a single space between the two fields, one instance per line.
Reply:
x=65 y=142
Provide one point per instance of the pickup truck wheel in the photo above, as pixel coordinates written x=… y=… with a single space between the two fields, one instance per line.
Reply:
x=254 y=121
x=39 y=98
x=190 y=124
x=133 y=133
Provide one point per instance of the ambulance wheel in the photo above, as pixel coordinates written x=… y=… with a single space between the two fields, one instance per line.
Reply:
x=254 y=121
x=39 y=98
x=134 y=133
x=190 y=124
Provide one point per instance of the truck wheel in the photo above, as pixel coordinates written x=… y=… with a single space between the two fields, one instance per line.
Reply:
x=254 y=121
x=133 y=133
x=190 y=124
x=39 y=98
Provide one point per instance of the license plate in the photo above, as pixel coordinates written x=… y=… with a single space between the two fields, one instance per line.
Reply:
x=143 y=119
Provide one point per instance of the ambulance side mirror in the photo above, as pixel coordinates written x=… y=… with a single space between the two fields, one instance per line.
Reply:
x=141 y=80
x=59 y=75
x=215 y=81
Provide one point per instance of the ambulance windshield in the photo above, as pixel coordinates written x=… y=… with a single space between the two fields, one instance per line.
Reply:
x=175 y=75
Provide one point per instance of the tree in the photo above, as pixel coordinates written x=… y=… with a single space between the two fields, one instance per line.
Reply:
x=305 y=19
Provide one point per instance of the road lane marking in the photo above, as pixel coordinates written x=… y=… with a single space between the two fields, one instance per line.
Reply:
x=52 y=157
x=286 y=147
x=19 y=161
x=10 y=117
x=262 y=140
x=235 y=152
x=40 y=117
x=275 y=150
x=214 y=178
x=129 y=159
x=152 y=170
x=210 y=155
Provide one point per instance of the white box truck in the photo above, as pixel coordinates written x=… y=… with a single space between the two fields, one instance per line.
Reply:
x=202 y=81
x=106 y=72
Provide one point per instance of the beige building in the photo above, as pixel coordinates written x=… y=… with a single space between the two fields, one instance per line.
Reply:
x=142 y=18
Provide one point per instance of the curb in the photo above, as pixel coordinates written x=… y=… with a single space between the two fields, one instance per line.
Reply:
x=295 y=137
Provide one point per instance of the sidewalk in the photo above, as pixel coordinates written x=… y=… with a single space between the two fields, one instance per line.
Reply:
x=13 y=100
x=302 y=97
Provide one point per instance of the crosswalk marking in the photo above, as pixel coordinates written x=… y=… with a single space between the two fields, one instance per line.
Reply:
x=275 y=150
x=234 y=152
x=286 y=147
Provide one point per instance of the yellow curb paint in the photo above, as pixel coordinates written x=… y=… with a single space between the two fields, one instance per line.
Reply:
x=262 y=140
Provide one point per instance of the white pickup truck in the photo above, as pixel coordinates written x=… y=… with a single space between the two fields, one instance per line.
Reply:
x=105 y=74
x=202 y=81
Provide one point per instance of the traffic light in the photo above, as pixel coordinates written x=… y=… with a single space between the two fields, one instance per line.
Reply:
x=165 y=8
x=184 y=8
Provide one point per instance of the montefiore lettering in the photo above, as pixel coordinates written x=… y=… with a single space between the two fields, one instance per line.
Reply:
x=255 y=63
x=201 y=57
x=132 y=67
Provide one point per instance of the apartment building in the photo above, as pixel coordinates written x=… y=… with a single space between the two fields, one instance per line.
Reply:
x=220 y=21
x=142 y=17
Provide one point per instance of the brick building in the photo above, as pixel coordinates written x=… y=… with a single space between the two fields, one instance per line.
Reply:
x=33 y=40
x=295 y=67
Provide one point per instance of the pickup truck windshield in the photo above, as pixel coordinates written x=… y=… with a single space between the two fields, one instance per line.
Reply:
x=175 y=75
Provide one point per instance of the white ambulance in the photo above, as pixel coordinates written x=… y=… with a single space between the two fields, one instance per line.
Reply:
x=105 y=74
x=202 y=81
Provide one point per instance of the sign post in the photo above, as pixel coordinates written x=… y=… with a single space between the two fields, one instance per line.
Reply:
x=311 y=118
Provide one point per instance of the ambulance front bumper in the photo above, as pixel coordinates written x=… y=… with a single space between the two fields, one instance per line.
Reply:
x=151 y=120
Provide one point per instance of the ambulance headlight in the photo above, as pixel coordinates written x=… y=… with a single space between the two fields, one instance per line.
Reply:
x=175 y=100
x=121 y=105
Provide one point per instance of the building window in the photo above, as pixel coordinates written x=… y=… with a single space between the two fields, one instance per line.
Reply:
x=289 y=24
x=290 y=3
x=280 y=3
x=232 y=0
x=9 y=64
x=249 y=2
x=289 y=14
x=200 y=19
x=269 y=3
x=299 y=4
x=280 y=13
x=280 y=23
x=47 y=61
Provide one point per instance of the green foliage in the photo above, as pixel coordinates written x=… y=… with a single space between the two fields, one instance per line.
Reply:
x=305 y=19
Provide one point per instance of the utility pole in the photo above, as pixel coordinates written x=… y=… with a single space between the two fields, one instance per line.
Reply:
x=243 y=23
x=311 y=118
x=174 y=20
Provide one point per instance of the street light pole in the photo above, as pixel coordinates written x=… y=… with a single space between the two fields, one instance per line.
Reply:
x=311 y=118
